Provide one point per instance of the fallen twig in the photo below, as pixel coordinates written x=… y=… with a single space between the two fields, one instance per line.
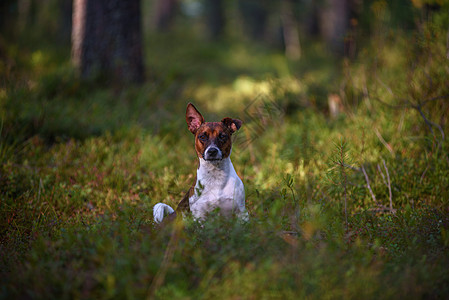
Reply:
x=382 y=140
x=428 y=122
x=368 y=185
x=389 y=185
x=382 y=174
x=380 y=206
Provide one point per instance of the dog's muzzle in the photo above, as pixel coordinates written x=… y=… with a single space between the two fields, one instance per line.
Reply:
x=212 y=153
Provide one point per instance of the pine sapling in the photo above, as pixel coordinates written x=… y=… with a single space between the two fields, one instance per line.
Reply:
x=340 y=165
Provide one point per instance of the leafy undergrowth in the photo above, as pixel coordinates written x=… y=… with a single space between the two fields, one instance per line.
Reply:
x=352 y=207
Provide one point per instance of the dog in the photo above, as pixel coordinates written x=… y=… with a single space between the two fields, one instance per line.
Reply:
x=217 y=184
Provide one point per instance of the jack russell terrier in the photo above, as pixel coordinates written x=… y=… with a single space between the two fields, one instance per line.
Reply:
x=217 y=184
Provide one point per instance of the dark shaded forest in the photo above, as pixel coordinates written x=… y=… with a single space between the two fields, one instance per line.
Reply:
x=343 y=149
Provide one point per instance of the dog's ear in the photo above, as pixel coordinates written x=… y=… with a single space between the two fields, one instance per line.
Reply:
x=232 y=124
x=194 y=118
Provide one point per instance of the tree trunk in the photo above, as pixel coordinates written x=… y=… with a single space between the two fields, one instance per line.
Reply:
x=255 y=17
x=290 y=31
x=8 y=18
x=65 y=20
x=215 y=18
x=107 y=39
x=334 y=16
x=165 y=11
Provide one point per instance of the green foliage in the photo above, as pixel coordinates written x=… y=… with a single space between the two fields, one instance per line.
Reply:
x=81 y=166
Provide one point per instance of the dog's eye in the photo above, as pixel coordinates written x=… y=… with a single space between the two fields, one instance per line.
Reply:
x=202 y=137
x=223 y=136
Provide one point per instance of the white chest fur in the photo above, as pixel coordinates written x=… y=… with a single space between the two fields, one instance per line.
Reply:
x=218 y=186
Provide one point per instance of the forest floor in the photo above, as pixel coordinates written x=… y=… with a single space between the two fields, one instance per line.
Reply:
x=353 y=206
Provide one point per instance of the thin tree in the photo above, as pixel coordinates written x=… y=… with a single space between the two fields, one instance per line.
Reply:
x=290 y=31
x=215 y=18
x=255 y=15
x=334 y=21
x=165 y=11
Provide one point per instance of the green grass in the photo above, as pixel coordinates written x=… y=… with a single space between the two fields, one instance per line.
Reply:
x=82 y=165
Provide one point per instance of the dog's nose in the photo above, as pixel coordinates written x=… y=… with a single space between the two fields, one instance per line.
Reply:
x=212 y=152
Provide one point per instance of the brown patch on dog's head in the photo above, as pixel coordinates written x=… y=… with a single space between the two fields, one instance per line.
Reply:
x=232 y=124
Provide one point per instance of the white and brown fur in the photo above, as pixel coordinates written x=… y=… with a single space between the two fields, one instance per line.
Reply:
x=217 y=184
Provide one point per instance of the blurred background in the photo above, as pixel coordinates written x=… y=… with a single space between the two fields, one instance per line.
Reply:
x=225 y=54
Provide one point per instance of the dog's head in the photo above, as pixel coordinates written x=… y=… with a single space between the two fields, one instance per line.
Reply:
x=212 y=139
